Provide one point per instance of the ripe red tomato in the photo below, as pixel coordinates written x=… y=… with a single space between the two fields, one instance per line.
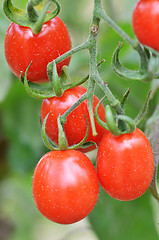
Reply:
x=23 y=46
x=145 y=21
x=65 y=186
x=75 y=126
x=125 y=165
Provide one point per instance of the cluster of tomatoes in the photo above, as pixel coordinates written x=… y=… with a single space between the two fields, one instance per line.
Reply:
x=65 y=183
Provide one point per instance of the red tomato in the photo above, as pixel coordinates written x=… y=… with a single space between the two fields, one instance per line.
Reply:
x=23 y=46
x=125 y=165
x=65 y=186
x=145 y=21
x=75 y=126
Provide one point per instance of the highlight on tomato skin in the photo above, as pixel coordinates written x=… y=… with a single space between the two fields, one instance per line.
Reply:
x=76 y=125
x=125 y=165
x=65 y=186
x=145 y=22
x=22 y=47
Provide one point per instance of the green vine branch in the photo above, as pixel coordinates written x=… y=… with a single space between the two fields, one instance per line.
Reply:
x=94 y=77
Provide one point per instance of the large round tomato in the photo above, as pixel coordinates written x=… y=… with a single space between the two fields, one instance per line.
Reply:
x=75 y=126
x=65 y=186
x=23 y=46
x=145 y=22
x=125 y=165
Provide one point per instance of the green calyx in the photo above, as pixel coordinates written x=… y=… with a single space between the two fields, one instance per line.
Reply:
x=119 y=124
x=62 y=140
x=34 y=16
x=56 y=85
x=147 y=69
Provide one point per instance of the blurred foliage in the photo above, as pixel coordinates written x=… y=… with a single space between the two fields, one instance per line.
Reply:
x=21 y=145
x=113 y=219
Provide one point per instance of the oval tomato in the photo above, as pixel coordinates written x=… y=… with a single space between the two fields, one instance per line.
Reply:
x=65 y=186
x=145 y=21
x=75 y=126
x=23 y=46
x=125 y=165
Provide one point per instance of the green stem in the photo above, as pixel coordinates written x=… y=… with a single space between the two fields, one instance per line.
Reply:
x=55 y=82
x=79 y=48
x=134 y=43
x=91 y=45
x=102 y=14
x=79 y=101
x=93 y=67
x=113 y=101
x=41 y=19
x=62 y=140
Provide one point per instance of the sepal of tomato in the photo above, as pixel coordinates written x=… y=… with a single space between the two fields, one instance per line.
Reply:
x=125 y=165
x=22 y=47
x=65 y=186
x=56 y=86
x=76 y=125
x=62 y=140
x=34 y=16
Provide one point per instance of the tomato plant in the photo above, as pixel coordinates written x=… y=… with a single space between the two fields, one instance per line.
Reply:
x=22 y=47
x=65 y=186
x=145 y=22
x=125 y=165
x=75 y=126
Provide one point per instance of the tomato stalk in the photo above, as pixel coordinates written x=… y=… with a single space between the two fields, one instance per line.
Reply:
x=124 y=124
x=56 y=85
x=79 y=101
x=91 y=45
x=93 y=69
x=79 y=48
x=41 y=19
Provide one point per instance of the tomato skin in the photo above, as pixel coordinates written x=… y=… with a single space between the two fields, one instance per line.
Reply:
x=65 y=186
x=125 y=165
x=23 y=46
x=75 y=126
x=145 y=21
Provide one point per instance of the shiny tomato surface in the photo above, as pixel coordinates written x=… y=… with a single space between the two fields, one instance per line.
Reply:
x=75 y=126
x=125 y=165
x=65 y=186
x=145 y=21
x=22 y=47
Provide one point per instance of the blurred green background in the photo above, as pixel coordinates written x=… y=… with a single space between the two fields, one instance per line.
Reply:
x=21 y=145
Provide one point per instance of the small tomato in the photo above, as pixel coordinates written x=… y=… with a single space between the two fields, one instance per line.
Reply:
x=145 y=21
x=125 y=165
x=22 y=47
x=75 y=126
x=65 y=186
